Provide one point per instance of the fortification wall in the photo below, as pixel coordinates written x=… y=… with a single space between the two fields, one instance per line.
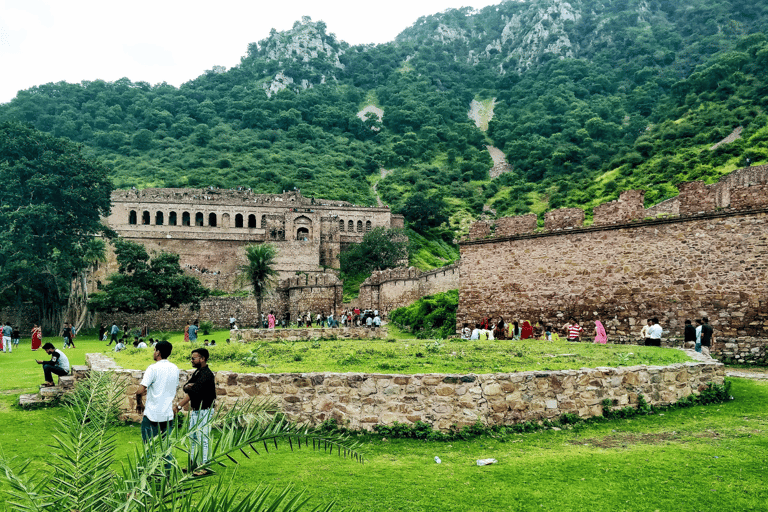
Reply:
x=713 y=265
x=390 y=289
x=362 y=400
x=315 y=333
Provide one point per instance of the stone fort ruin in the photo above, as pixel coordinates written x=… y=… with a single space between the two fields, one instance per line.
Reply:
x=702 y=253
x=209 y=228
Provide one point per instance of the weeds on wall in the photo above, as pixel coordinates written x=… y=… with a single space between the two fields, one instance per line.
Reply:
x=713 y=394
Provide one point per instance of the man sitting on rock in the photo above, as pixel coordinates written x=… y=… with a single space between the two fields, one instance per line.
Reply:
x=58 y=365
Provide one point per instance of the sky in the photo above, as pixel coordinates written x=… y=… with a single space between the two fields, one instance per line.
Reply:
x=173 y=41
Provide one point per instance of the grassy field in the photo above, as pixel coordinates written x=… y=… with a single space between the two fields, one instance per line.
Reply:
x=409 y=356
x=697 y=459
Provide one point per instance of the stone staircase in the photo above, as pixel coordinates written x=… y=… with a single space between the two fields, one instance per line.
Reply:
x=47 y=395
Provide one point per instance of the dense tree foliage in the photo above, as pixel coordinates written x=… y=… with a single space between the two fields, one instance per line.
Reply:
x=592 y=97
x=51 y=200
x=146 y=284
x=433 y=316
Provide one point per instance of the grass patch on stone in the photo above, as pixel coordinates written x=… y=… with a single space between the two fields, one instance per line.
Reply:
x=399 y=354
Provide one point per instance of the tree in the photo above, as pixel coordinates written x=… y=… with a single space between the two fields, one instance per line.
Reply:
x=380 y=249
x=143 y=284
x=424 y=212
x=259 y=272
x=52 y=199
x=81 y=475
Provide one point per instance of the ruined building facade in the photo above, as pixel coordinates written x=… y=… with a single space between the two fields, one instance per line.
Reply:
x=209 y=229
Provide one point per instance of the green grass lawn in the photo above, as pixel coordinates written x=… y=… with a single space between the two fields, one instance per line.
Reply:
x=697 y=459
x=405 y=355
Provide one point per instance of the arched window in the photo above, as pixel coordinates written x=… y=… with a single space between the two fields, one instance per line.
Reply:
x=341 y=225
x=212 y=219
x=359 y=226
x=251 y=221
x=263 y=222
x=185 y=219
x=145 y=218
x=132 y=217
x=367 y=226
x=351 y=227
x=159 y=218
x=239 y=220
x=172 y=219
x=302 y=234
x=198 y=219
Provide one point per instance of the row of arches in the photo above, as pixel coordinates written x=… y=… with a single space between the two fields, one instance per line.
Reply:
x=240 y=221
x=350 y=225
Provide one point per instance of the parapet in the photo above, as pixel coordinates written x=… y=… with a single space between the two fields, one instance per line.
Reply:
x=695 y=197
x=324 y=279
x=380 y=276
x=518 y=225
x=479 y=229
x=629 y=206
x=213 y=195
x=563 y=218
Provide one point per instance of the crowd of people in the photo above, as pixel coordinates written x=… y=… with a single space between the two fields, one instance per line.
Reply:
x=353 y=317
x=702 y=336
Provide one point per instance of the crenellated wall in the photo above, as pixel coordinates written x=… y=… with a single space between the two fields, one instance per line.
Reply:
x=710 y=260
x=628 y=207
x=563 y=218
x=390 y=289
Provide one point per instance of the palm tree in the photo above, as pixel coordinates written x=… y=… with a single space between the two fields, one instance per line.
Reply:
x=79 y=472
x=259 y=272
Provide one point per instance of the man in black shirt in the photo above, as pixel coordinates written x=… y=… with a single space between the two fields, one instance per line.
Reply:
x=689 y=333
x=200 y=395
x=706 y=336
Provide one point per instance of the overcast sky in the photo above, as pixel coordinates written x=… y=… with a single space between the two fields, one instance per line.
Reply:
x=174 y=41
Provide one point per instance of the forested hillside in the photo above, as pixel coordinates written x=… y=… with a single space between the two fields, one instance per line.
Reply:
x=592 y=97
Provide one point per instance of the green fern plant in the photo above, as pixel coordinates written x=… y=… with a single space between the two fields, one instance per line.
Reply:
x=79 y=474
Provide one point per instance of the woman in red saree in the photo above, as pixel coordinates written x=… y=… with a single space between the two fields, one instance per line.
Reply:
x=37 y=337
x=527 y=330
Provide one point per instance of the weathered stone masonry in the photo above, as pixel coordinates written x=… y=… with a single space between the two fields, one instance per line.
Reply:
x=627 y=268
x=360 y=400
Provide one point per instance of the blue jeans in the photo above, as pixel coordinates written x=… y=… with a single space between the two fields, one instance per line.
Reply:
x=200 y=433
x=151 y=429
x=698 y=347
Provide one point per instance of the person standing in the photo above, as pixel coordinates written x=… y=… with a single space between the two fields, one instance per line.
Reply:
x=37 y=337
x=200 y=395
x=193 y=331
x=707 y=334
x=697 y=347
x=15 y=337
x=271 y=320
x=644 y=331
x=232 y=321
x=7 y=331
x=654 y=334
x=113 y=333
x=159 y=384
x=689 y=334
x=58 y=365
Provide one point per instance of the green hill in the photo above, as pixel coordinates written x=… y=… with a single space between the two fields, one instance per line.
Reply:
x=591 y=98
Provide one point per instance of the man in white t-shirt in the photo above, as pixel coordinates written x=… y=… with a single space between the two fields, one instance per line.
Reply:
x=654 y=334
x=159 y=383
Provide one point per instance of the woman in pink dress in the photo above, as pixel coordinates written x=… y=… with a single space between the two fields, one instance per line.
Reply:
x=600 y=335
x=37 y=337
x=271 y=320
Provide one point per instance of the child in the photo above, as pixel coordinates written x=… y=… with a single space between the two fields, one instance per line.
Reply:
x=548 y=333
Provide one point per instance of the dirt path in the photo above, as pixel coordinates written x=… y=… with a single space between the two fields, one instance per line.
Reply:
x=384 y=173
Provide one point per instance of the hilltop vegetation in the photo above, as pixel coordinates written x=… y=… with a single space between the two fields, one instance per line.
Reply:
x=592 y=97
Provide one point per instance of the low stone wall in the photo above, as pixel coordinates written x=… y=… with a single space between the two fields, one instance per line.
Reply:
x=362 y=400
x=354 y=333
x=744 y=350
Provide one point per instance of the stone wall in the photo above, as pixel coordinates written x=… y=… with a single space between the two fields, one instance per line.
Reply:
x=388 y=290
x=303 y=334
x=743 y=350
x=714 y=265
x=508 y=226
x=319 y=293
x=360 y=400
x=563 y=218
x=627 y=208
